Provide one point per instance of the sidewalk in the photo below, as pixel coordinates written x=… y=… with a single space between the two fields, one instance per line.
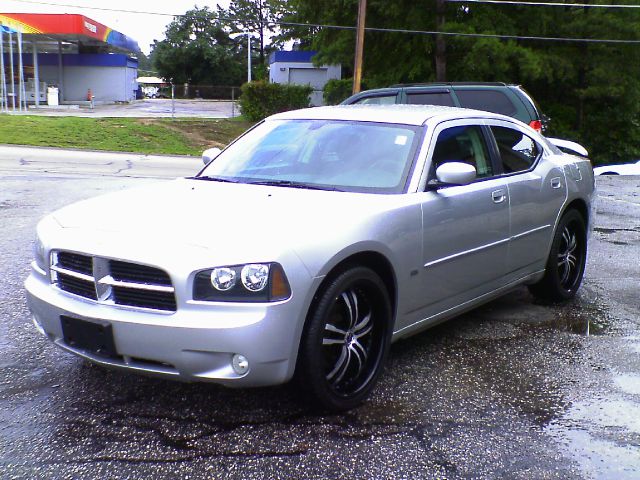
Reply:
x=21 y=160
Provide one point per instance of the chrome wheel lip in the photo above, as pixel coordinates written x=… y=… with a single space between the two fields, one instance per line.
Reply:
x=356 y=338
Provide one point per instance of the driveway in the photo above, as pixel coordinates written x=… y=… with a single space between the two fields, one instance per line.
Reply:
x=515 y=389
x=147 y=108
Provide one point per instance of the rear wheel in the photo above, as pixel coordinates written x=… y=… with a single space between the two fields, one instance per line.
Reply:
x=566 y=262
x=346 y=339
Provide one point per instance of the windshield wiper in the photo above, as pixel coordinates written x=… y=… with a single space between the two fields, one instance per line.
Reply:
x=289 y=183
x=215 y=179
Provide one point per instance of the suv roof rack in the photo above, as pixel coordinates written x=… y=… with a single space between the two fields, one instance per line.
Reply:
x=444 y=84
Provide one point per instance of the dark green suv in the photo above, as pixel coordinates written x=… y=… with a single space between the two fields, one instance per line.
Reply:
x=511 y=100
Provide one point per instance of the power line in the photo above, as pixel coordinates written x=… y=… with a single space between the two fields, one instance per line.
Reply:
x=459 y=34
x=384 y=30
x=102 y=9
x=545 y=4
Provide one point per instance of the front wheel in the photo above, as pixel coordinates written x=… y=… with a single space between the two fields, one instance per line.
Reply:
x=346 y=339
x=566 y=262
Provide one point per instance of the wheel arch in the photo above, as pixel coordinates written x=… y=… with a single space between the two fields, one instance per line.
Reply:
x=377 y=262
x=581 y=206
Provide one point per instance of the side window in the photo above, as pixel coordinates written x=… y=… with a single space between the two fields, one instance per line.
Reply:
x=379 y=100
x=463 y=144
x=486 y=100
x=518 y=151
x=430 y=98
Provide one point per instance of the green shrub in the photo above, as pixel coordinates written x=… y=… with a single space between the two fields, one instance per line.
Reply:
x=261 y=99
x=335 y=91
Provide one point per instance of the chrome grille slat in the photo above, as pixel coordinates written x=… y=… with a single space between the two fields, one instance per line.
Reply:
x=111 y=282
x=71 y=273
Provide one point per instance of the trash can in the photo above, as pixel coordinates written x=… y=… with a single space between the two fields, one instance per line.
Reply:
x=52 y=96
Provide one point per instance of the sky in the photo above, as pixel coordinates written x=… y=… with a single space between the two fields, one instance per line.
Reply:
x=142 y=27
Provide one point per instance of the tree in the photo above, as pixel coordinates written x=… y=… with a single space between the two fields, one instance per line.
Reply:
x=198 y=50
x=590 y=90
x=256 y=16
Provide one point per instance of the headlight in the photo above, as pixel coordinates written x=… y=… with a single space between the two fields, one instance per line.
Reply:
x=253 y=282
x=255 y=277
x=38 y=254
x=223 y=279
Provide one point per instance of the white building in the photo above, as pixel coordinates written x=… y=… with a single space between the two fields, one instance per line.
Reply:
x=296 y=68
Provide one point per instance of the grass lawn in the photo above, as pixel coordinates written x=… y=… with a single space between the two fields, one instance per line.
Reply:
x=139 y=135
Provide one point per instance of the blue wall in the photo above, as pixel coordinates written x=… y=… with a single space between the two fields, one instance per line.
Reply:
x=78 y=60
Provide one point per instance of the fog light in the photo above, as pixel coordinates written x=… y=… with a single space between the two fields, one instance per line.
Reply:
x=240 y=364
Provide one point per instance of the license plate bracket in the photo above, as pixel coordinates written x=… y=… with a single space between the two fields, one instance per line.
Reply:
x=94 y=336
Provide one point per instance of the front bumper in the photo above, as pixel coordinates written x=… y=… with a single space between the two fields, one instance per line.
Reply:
x=196 y=343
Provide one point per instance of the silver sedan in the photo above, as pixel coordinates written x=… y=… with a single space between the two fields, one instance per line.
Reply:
x=310 y=244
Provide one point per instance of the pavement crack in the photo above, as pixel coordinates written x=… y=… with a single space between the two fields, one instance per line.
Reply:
x=608 y=231
x=129 y=166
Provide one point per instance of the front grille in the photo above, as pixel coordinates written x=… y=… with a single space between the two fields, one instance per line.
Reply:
x=146 y=299
x=76 y=262
x=132 y=272
x=113 y=281
x=78 y=286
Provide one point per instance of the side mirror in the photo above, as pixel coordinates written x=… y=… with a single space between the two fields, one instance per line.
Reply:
x=210 y=154
x=455 y=173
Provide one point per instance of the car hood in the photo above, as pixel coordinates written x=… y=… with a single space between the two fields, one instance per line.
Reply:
x=237 y=219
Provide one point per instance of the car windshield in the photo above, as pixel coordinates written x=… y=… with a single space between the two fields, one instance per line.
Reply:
x=320 y=154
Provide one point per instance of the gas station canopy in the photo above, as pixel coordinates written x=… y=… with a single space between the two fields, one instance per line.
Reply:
x=77 y=58
x=67 y=28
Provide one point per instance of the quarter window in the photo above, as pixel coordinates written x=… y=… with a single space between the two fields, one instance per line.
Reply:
x=379 y=100
x=430 y=98
x=486 y=100
x=518 y=152
x=464 y=144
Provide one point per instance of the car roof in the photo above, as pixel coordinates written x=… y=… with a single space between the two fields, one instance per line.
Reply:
x=453 y=84
x=398 y=113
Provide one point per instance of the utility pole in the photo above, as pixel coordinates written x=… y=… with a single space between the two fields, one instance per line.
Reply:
x=441 y=46
x=357 y=68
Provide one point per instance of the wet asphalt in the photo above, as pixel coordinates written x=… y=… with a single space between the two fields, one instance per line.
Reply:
x=515 y=390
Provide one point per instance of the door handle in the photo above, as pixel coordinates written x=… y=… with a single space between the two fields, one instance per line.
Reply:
x=498 y=196
x=556 y=182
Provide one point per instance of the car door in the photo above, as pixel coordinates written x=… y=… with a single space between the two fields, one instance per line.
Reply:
x=537 y=191
x=465 y=228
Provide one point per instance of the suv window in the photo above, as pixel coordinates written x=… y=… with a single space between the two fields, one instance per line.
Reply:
x=518 y=151
x=463 y=144
x=379 y=100
x=430 y=98
x=486 y=100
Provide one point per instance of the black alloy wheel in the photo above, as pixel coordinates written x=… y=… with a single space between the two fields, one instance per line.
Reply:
x=566 y=262
x=346 y=339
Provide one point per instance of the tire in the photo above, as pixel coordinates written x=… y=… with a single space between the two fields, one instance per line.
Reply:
x=566 y=262
x=346 y=339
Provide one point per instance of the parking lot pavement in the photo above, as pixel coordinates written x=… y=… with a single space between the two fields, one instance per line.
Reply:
x=152 y=108
x=515 y=389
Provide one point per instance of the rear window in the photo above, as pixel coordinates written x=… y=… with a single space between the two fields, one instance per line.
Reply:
x=430 y=98
x=486 y=100
x=518 y=151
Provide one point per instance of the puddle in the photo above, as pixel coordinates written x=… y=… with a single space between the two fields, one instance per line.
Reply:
x=582 y=317
x=600 y=458
x=388 y=413
x=628 y=383
x=601 y=436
